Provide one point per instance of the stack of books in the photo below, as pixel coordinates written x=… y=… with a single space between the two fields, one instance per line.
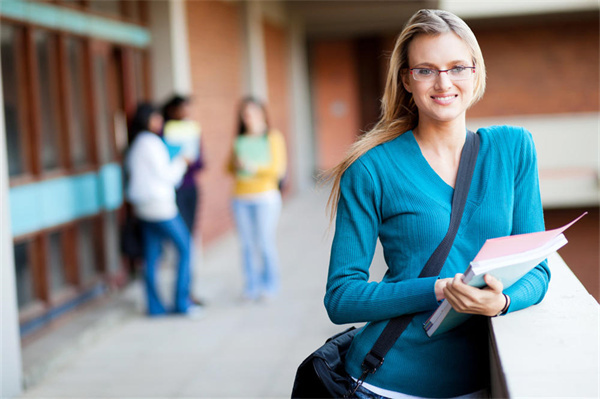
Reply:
x=505 y=258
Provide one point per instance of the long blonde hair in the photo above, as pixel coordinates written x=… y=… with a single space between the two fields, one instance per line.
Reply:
x=398 y=110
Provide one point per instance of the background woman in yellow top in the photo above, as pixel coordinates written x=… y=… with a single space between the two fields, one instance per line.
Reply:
x=258 y=163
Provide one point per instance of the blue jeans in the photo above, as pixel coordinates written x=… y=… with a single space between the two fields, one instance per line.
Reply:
x=154 y=233
x=256 y=221
x=364 y=393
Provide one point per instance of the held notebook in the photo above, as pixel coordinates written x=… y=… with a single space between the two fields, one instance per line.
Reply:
x=507 y=259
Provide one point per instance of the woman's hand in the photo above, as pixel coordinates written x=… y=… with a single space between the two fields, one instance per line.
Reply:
x=440 y=284
x=487 y=301
x=245 y=167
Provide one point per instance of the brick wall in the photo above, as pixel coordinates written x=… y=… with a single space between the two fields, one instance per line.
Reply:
x=537 y=68
x=336 y=99
x=277 y=65
x=581 y=253
x=540 y=69
x=533 y=67
x=216 y=58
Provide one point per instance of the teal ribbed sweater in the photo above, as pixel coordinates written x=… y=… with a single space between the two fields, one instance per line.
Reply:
x=392 y=193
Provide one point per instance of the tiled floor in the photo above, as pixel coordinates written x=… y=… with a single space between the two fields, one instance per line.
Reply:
x=249 y=350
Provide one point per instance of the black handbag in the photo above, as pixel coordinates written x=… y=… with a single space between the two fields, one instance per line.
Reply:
x=323 y=374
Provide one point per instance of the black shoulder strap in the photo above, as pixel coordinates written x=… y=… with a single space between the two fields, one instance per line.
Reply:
x=396 y=326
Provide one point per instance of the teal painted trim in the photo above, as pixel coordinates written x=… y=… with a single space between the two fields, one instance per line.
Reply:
x=25 y=212
x=57 y=202
x=49 y=203
x=111 y=183
x=62 y=18
x=43 y=14
x=85 y=195
x=14 y=9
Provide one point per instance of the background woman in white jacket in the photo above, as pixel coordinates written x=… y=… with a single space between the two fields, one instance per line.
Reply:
x=152 y=178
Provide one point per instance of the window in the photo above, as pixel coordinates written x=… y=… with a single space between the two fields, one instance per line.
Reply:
x=111 y=242
x=24 y=274
x=140 y=75
x=48 y=92
x=103 y=110
x=88 y=252
x=13 y=93
x=77 y=3
x=134 y=11
x=79 y=132
x=63 y=95
x=109 y=7
x=56 y=262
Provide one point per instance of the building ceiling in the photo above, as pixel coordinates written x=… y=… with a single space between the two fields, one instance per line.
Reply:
x=347 y=18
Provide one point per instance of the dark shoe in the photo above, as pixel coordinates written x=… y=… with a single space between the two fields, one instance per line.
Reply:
x=196 y=301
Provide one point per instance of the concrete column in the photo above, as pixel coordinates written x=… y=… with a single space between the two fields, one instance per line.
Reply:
x=301 y=107
x=10 y=363
x=255 y=75
x=160 y=49
x=180 y=54
x=169 y=49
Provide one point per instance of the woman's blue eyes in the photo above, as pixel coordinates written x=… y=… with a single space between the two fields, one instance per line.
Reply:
x=428 y=71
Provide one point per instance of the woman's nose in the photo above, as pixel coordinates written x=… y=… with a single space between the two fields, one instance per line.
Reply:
x=443 y=81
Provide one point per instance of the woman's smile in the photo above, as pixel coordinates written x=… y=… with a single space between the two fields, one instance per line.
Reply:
x=445 y=99
x=440 y=98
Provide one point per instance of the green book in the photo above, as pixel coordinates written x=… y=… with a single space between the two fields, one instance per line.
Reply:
x=253 y=151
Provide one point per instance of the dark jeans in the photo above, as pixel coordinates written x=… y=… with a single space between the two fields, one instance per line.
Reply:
x=187 y=200
x=364 y=393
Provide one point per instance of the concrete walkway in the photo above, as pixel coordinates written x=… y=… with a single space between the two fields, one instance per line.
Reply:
x=237 y=350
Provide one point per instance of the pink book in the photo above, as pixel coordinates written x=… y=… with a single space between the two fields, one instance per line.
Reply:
x=507 y=259
x=511 y=245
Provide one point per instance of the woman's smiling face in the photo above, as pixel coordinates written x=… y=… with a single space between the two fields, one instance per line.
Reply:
x=441 y=99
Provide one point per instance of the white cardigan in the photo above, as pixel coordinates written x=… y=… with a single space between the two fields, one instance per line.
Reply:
x=152 y=178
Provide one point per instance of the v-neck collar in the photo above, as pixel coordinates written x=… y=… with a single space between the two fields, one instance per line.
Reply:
x=424 y=167
x=406 y=156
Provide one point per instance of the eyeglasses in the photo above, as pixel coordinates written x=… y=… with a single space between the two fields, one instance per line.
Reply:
x=428 y=74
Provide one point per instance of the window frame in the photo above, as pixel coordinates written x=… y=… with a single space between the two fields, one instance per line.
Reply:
x=27 y=146
x=104 y=49
x=120 y=85
x=35 y=101
x=67 y=93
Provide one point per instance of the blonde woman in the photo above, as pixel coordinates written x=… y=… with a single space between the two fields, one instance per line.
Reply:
x=258 y=163
x=396 y=185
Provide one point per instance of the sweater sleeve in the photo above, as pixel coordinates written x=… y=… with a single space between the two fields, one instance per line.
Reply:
x=160 y=166
x=350 y=297
x=528 y=217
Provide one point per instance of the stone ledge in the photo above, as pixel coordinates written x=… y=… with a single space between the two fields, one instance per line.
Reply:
x=551 y=349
